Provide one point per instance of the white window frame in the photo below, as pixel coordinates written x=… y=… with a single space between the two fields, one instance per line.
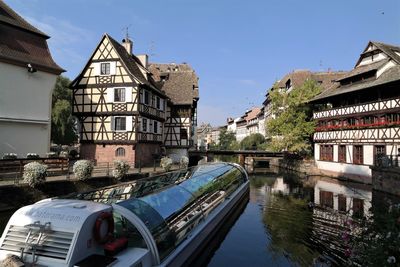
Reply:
x=114 y=123
x=123 y=95
x=113 y=68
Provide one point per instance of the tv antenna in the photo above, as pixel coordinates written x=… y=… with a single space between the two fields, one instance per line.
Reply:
x=126 y=31
x=152 y=49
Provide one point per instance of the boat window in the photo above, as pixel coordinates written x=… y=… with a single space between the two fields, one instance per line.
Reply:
x=124 y=228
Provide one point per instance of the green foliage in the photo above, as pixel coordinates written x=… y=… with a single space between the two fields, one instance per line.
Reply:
x=292 y=128
x=83 y=169
x=34 y=173
x=62 y=130
x=61 y=90
x=252 y=142
x=120 y=169
x=227 y=140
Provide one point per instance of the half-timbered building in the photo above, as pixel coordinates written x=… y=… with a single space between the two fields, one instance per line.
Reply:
x=180 y=84
x=121 y=110
x=27 y=77
x=359 y=118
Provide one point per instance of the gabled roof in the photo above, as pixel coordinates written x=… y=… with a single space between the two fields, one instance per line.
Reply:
x=389 y=75
x=178 y=81
x=131 y=63
x=22 y=44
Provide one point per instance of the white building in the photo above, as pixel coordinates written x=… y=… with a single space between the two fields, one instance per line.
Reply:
x=360 y=121
x=27 y=77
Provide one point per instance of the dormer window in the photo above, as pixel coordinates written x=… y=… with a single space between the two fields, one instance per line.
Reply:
x=288 y=84
x=105 y=68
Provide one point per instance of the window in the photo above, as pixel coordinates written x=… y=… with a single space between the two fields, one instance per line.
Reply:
x=119 y=94
x=379 y=153
x=342 y=153
x=155 y=126
x=358 y=207
x=146 y=99
x=358 y=155
x=120 y=152
x=342 y=207
x=144 y=125
x=326 y=199
x=326 y=152
x=158 y=102
x=184 y=135
x=105 y=68
x=119 y=123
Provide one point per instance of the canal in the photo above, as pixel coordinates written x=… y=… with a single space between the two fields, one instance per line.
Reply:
x=289 y=221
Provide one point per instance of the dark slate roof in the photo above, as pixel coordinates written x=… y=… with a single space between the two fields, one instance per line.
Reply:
x=364 y=69
x=181 y=82
x=22 y=44
x=133 y=64
x=10 y=17
x=389 y=76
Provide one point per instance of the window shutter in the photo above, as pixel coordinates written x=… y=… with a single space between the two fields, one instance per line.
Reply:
x=129 y=123
x=112 y=124
x=113 y=68
x=128 y=94
x=96 y=68
x=110 y=95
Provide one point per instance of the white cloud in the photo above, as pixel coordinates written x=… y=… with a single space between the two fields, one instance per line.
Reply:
x=62 y=32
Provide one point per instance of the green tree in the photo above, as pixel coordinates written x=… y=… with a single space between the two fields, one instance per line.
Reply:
x=292 y=128
x=62 y=123
x=227 y=140
x=252 y=142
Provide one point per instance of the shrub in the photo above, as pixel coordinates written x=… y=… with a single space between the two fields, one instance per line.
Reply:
x=34 y=173
x=10 y=156
x=184 y=162
x=83 y=169
x=32 y=156
x=51 y=154
x=120 y=169
x=166 y=163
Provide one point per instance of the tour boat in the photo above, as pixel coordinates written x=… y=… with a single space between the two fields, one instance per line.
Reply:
x=158 y=221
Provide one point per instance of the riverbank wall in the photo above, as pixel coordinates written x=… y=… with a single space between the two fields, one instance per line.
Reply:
x=308 y=167
x=386 y=179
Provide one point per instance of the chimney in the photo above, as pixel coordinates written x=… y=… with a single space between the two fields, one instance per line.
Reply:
x=128 y=44
x=144 y=59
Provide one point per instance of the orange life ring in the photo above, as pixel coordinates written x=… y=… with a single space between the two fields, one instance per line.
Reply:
x=108 y=217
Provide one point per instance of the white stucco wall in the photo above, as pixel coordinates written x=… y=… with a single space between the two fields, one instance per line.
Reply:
x=347 y=167
x=25 y=108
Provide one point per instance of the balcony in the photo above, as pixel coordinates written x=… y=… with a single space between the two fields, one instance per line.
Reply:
x=148 y=110
x=359 y=109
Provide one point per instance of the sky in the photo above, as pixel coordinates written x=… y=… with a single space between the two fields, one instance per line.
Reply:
x=237 y=48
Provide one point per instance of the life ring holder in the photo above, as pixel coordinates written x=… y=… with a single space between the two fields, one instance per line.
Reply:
x=108 y=217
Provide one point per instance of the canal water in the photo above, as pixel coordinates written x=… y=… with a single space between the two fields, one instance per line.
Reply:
x=292 y=221
x=288 y=221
